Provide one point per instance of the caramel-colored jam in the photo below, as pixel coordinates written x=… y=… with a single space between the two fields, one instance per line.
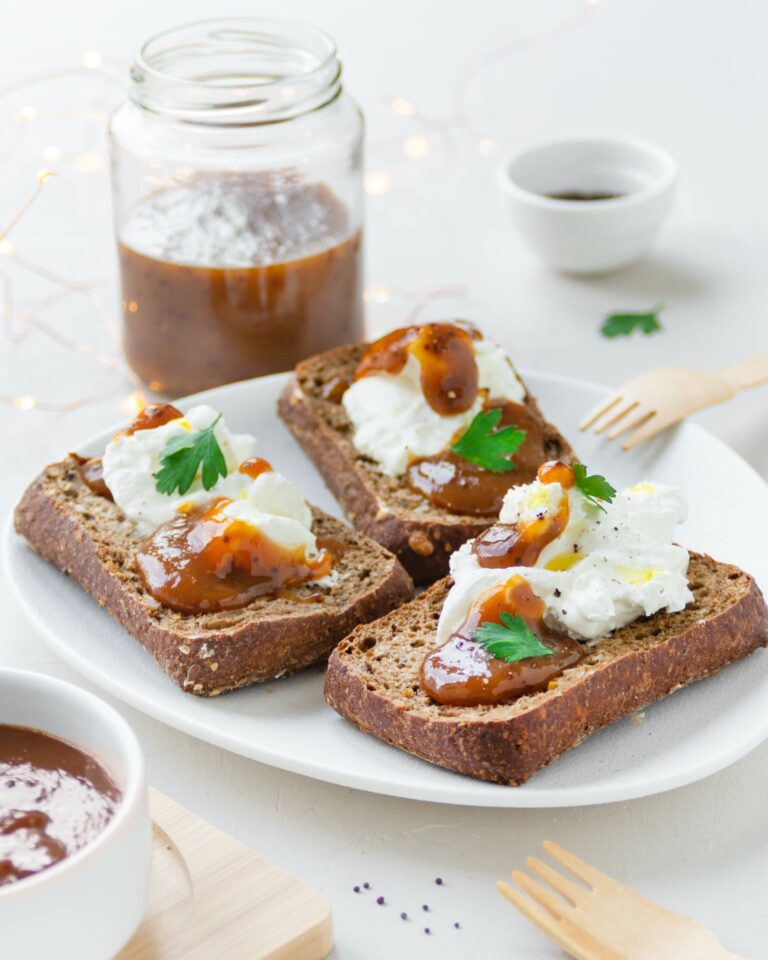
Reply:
x=152 y=416
x=455 y=484
x=254 y=467
x=236 y=276
x=54 y=799
x=463 y=673
x=445 y=354
x=203 y=561
x=335 y=389
x=92 y=472
x=510 y=545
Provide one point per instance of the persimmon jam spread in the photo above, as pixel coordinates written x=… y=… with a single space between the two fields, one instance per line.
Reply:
x=220 y=527
x=204 y=561
x=416 y=393
x=463 y=673
x=570 y=560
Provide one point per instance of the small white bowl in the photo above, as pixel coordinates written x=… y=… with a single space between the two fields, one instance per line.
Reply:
x=589 y=236
x=87 y=906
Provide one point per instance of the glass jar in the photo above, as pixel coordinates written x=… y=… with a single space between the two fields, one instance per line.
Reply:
x=237 y=183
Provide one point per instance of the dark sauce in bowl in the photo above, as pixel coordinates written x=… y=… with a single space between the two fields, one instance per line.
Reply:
x=54 y=800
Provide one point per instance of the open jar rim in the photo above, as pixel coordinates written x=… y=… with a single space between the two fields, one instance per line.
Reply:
x=236 y=71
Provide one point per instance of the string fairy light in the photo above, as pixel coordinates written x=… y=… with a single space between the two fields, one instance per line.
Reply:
x=426 y=137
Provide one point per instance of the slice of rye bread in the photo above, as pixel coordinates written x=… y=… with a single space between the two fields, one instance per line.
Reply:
x=422 y=535
x=88 y=537
x=372 y=678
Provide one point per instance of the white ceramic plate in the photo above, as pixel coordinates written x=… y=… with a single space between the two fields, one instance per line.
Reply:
x=690 y=735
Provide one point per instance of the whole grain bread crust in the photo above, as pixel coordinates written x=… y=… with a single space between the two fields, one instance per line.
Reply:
x=422 y=536
x=506 y=744
x=87 y=537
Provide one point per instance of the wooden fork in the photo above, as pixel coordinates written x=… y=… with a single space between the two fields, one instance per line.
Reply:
x=662 y=397
x=605 y=920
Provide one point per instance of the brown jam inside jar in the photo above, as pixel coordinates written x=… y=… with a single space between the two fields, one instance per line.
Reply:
x=455 y=484
x=463 y=673
x=446 y=357
x=203 y=561
x=54 y=799
x=237 y=275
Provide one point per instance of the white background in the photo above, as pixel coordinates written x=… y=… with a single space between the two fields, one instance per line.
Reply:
x=690 y=76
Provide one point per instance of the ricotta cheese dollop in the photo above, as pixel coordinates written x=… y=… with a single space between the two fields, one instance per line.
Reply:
x=607 y=567
x=393 y=423
x=268 y=502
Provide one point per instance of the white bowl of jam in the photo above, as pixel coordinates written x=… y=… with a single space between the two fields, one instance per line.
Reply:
x=589 y=205
x=75 y=840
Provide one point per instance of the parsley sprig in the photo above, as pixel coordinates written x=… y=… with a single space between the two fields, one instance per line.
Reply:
x=594 y=488
x=487 y=447
x=624 y=323
x=511 y=640
x=182 y=456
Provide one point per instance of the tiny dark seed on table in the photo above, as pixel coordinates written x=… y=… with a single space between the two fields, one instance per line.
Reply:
x=425 y=906
x=457 y=925
x=366 y=886
x=427 y=930
x=403 y=916
x=380 y=900
x=439 y=881
x=356 y=889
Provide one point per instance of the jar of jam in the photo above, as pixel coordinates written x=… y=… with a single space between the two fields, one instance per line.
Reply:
x=237 y=181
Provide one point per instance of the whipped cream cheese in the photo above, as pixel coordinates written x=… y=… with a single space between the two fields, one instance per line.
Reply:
x=606 y=569
x=269 y=502
x=394 y=424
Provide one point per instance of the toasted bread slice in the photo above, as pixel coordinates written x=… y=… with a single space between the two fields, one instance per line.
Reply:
x=88 y=537
x=373 y=677
x=423 y=536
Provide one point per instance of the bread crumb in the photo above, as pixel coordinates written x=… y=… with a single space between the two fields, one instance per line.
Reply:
x=552 y=685
x=637 y=717
x=420 y=543
x=198 y=686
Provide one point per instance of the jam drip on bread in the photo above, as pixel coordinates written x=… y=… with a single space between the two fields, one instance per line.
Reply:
x=462 y=672
x=445 y=355
x=455 y=484
x=204 y=561
x=450 y=383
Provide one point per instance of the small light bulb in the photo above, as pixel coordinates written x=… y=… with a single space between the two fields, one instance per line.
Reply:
x=28 y=112
x=43 y=174
x=6 y=247
x=416 y=147
x=134 y=403
x=92 y=59
x=52 y=153
x=404 y=107
x=24 y=402
x=376 y=182
x=486 y=147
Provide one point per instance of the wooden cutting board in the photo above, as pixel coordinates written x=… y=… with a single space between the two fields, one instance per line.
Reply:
x=213 y=897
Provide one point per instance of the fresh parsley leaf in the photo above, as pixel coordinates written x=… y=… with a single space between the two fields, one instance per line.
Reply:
x=623 y=324
x=182 y=456
x=594 y=488
x=511 y=640
x=487 y=447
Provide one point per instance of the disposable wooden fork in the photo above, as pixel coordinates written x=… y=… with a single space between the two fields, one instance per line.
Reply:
x=606 y=920
x=662 y=397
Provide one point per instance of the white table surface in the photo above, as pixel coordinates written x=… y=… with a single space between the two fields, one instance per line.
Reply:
x=691 y=76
